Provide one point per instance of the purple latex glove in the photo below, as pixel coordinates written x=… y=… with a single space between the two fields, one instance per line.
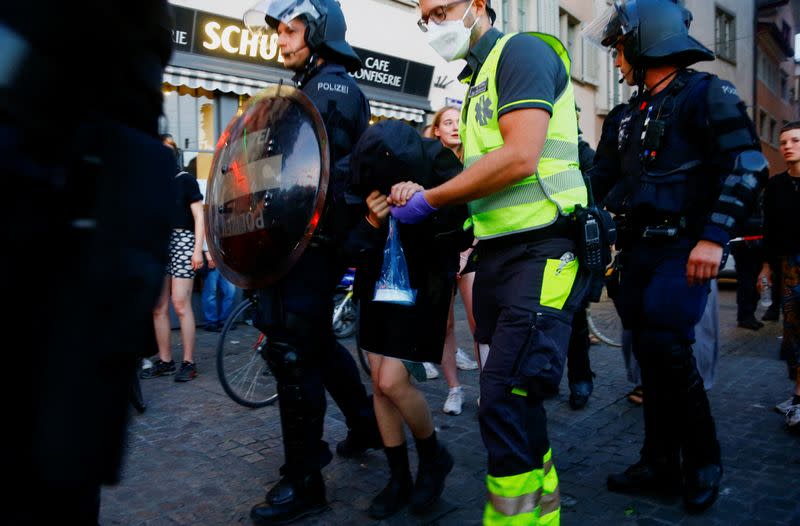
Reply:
x=416 y=210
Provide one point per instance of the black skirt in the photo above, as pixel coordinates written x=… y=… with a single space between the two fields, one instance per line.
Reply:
x=409 y=332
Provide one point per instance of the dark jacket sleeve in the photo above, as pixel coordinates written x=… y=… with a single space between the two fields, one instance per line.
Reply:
x=732 y=132
x=606 y=170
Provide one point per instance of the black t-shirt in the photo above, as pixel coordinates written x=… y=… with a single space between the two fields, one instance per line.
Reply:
x=187 y=191
x=529 y=75
x=781 y=203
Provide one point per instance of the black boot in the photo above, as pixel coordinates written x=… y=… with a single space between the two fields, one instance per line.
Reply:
x=291 y=499
x=644 y=476
x=701 y=488
x=435 y=463
x=579 y=393
x=397 y=492
x=359 y=441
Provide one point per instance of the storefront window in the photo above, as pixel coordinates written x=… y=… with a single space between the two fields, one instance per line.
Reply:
x=191 y=117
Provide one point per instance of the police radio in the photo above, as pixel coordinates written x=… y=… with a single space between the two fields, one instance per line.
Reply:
x=596 y=234
x=592 y=244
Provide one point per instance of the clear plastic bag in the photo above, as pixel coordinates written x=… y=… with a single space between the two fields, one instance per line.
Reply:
x=394 y=285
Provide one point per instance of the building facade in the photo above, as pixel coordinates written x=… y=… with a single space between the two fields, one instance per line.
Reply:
x=776 y=80
x=217 y=64
x=725 y=26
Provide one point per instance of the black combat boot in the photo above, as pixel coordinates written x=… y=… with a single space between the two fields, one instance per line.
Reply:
x=579 y=393
x=290 y=499
x=359 y=441
x=701 y=488
x=435 y=463
x=644 y=476
x=397 y=492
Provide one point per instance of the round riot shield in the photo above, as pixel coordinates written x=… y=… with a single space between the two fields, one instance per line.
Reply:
x=267 y=187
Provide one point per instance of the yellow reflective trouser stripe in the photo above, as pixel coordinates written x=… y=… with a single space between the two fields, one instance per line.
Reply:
x=525 y=499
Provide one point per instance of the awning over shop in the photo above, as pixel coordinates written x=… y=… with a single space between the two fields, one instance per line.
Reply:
x=394 y=111
x=195 y=78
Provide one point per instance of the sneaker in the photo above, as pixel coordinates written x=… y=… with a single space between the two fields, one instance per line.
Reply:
x=430 y=371
x=793 y=416
x=159 y=368
x=188 y=372
x=455 y=398
x=464 y=362
x=212 y=327
x=783 y=407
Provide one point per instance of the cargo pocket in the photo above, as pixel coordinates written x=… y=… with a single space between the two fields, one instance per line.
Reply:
x=557 y=282
x=541 y=361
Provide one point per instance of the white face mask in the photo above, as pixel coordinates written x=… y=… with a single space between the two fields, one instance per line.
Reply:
x=450 y=39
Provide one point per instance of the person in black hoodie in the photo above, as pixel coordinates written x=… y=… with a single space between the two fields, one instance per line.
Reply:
x=399 y=338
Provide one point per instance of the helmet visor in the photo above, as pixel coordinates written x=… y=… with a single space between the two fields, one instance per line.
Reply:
x=269 y=13
x=612 y=24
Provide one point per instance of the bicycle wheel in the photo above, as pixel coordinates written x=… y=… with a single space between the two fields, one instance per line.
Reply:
x=345 y=315
x=604 y=323
x=241 y=368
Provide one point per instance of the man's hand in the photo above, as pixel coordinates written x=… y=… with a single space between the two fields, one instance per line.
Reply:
x=414 y=211
x=703 y=262
x=378 y=208
x=402 y=192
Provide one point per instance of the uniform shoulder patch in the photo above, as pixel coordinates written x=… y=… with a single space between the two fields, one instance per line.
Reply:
x=727 y=116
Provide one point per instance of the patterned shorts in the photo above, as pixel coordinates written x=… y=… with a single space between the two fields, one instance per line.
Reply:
x=790 y=346
x=181 y=248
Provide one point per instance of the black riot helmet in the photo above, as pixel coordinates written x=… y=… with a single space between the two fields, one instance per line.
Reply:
x=325 y=26
x=653 y=32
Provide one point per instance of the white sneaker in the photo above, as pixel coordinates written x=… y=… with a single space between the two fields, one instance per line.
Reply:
x=455 y=398
x=430 y=371
x=464 y=362
x=792 y=415
x=784 y=406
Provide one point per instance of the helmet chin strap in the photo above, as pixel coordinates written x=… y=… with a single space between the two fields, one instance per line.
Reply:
x=638 y=77
x=308 y=70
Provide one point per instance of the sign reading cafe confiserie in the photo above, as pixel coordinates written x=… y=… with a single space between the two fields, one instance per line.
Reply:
x=202 y=33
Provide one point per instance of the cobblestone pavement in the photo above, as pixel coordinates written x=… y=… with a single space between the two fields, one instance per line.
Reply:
x=195 y=457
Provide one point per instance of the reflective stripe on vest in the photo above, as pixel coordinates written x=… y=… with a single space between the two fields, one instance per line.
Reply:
x=555 y=188
x=527 y=498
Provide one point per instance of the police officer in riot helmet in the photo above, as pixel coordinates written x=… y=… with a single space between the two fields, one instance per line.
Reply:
x=297 y=311
x=680 y=165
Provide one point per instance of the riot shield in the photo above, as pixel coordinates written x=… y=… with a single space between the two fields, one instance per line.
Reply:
x=267 y=187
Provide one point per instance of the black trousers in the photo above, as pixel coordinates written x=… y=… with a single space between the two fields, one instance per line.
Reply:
x=749 y=258
x=307 y=360
x=578 y=363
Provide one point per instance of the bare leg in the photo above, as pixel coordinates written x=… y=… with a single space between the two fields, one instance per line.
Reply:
x=449 y=353
x=182 y=302
x=394 y=383
x=465 y=282
x=161 y=322
x=390 y=420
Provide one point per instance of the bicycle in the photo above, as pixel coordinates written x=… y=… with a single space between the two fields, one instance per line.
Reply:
x=345 y=308
x=242 y=368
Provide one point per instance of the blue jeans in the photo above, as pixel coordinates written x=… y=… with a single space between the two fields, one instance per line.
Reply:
x=217 y=287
